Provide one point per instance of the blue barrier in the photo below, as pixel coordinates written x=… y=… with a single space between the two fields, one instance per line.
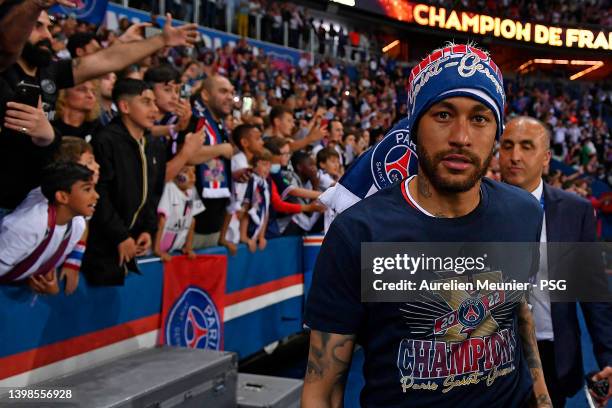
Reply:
x=263 y=304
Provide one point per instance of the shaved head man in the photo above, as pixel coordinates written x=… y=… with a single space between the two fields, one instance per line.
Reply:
x=524 y=155
x=524 y=152
x=211 y=107
x=218 y=95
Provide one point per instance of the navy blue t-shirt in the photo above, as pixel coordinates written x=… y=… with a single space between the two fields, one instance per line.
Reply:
x=406 y=363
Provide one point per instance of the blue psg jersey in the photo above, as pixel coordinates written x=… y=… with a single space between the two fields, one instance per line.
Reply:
x=413 y=358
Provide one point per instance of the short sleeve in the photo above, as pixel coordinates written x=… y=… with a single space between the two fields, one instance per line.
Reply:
x=62 y=74
x=239 y=162
x=164 y=206
x=20 y=232
x=198 y=205
x=334 y=301
x=325 y=181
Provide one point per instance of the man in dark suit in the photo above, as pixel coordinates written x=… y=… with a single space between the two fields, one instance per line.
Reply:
x=524 y=154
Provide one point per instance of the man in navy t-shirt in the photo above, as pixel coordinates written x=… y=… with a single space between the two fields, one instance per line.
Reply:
x=409 y=361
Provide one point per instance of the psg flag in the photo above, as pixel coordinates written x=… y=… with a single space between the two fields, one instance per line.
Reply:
x=391 y=160
x=92 y=11
x=193 y=301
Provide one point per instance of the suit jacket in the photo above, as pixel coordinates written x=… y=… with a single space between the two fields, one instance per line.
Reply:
x=570 y=218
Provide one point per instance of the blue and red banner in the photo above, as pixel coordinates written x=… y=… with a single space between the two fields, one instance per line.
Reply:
x=92 y=11
x=47 y=336
x=193 y=302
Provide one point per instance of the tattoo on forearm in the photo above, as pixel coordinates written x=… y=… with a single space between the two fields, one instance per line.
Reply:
x=540 y=401
x=423 y=187
x=543 y=400
x=535 y=373
x=327 y=357
x=540 y=397
x=341 y=362
x=530 y=343
x=313 y=370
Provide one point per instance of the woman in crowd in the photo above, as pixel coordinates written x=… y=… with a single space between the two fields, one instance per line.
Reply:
x=78 y=110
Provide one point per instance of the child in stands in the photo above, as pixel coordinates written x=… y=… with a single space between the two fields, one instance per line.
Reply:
x=256 y=204
x=328 y=162
x=39 y=234
x=176 y=210
x=247 y=138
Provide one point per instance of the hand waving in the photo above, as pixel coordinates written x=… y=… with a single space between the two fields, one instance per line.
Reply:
x=185 y=35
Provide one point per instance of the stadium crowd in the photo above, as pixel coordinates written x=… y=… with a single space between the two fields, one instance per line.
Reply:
x=283 y=23
x=152 y=146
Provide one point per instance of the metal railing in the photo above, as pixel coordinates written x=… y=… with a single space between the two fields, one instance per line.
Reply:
x=196 y=13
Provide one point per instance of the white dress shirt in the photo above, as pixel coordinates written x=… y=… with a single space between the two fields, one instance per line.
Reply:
x=540 y=300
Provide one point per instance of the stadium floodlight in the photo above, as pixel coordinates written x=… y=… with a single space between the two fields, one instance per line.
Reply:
x=350 y=3
x=598 y=64
x=593 y=65
x=389 y=46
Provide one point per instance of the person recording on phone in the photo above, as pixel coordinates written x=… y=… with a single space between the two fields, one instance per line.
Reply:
x=36 y=63
x=23 y=154
x=282 y=124
x=30 y=141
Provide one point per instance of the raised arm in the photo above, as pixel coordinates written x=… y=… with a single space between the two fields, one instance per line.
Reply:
x=205 y=153
x=526 y=329
x=329 y=361
x=316 y=133
x=121 y=55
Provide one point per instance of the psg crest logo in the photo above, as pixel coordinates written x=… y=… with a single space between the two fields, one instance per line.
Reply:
x=82 y=10
x=193 y=321
x=394 y=159
x=471 y=312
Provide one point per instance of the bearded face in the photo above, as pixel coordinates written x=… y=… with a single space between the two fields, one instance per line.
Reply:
x=39 y=54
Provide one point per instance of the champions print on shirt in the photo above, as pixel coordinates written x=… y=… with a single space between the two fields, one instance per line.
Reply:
x=458 y=338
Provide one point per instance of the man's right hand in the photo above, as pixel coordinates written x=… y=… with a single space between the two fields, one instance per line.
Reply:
x=127 y=250
x=30 y=121
x=193 y=141
x=179 y=36
x=316 y=133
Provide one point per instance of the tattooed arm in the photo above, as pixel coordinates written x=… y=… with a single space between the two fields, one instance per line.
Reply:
x=526 y=328
x=329 y=360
